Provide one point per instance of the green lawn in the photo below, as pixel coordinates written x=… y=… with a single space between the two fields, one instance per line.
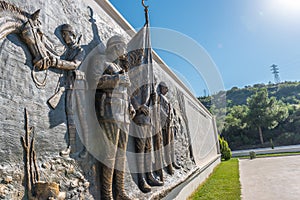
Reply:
x=223 y=184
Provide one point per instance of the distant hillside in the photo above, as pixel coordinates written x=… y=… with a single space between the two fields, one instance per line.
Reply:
x=237 y=129
x=288 y=92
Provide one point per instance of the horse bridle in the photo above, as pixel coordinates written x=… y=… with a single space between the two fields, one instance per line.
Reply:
x=44 y=61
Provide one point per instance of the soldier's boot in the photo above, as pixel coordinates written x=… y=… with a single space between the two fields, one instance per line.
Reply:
x=66 y=152
x=175 y=165
x=143 y=185
x=71 y=141
x=151 y=180
x=170 y=169
x=83 y=154
x=106 y=188
x=168 y=159
x=159 y=173
x=120 y=189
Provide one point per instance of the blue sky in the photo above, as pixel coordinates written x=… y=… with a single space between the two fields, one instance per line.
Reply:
x=243 y=37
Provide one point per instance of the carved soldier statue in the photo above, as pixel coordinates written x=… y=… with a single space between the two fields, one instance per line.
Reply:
x=166 y=117
x=141 y=101
x=71 y=59
x=113 y=111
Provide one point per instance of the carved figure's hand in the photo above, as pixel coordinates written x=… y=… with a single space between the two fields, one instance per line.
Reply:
x=144 y=109
x=42 y=64
x=132 y=113
x=39 y=65
x=124 y=62
x=124 y=79
x=53 y=61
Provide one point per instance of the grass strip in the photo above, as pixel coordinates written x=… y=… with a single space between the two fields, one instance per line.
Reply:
x=223 y=183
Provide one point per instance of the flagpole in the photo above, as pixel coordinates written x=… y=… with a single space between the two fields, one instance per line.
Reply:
x=155 y=107
x=148 y=46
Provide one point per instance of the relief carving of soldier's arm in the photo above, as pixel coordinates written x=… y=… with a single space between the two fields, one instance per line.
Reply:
x=74 y=53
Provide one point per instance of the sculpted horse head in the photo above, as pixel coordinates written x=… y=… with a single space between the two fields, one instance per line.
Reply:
x=28 y=27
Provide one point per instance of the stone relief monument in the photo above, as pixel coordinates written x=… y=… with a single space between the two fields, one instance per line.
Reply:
x=108 y=122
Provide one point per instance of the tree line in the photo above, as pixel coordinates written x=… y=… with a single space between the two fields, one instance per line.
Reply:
x=258 y=116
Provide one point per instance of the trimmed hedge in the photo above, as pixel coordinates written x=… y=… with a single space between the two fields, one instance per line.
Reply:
x=225 y=150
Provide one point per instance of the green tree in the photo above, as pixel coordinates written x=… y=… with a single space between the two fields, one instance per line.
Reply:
x=265 y=112
x=235 y=125
x=236 y=118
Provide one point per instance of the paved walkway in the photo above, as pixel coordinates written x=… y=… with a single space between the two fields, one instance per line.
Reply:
x=276 y=178
x=282 y=149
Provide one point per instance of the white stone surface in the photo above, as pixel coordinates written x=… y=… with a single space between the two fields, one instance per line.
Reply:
x=276 y=178
x=203 y=136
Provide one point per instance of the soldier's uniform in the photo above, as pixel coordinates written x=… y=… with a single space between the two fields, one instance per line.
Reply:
x=143 y=139
x=167 y=132
x=70 y=62
x=113 y=112
x=73 y=54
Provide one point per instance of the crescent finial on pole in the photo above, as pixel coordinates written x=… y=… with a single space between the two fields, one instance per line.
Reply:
x=143 y=2
x=146 y=11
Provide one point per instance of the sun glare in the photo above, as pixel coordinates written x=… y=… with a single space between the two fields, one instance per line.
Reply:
x=283 y=10
x=287 y=6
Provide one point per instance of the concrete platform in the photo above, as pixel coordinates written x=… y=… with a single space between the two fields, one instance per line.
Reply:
x=276 y=178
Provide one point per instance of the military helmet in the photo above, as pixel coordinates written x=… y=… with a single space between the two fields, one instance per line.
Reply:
x=68 y=27
x=114 y=40
x=163 y=84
